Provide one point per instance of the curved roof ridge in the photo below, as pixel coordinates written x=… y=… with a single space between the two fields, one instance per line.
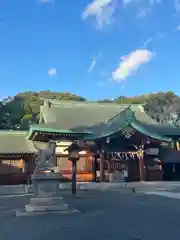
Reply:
x=55 y=102
x=142 y=116
x=126 y=111
x=146 y=125
x=114 y=124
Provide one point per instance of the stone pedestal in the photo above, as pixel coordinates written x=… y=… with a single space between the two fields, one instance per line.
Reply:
x=47 y=199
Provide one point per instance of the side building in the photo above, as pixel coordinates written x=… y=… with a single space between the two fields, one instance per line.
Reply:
x=17 y=158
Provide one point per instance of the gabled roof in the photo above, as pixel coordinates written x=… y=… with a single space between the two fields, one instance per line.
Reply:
x=77 y=118
x=137 y=119
x=93 y=120
x=70 y=115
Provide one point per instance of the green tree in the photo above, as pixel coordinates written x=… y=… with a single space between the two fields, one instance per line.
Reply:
x=23 y=109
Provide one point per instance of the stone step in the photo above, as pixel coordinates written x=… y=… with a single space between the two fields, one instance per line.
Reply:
x=46 y=208
x=23 y=213
x=46 y=201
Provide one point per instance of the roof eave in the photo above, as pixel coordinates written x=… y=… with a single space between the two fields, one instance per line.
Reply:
x=108 y=134
x=55 y=130
x=143 y=130
x=34 y=130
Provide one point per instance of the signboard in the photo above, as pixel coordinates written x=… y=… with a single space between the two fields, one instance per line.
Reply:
x=128 y=132
x=152 y=151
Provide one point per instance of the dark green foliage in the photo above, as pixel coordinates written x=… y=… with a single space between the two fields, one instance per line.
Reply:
x=23 y=109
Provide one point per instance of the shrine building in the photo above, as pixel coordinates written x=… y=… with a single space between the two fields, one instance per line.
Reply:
x=123 y=135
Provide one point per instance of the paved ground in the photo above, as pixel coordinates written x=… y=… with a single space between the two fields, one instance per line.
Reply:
x=142 y=186
x=106 y=215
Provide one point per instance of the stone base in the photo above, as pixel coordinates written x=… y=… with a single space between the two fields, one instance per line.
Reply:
x=45 y=205
x=36 y=201
x=23 y=213
x=41 y=204
x=47 y=199
x=42 y=208
x=46 y=184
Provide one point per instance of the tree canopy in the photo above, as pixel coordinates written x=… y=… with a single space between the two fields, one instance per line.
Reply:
x=20 y=111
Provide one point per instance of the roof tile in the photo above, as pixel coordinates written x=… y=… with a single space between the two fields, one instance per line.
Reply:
x=79 y=116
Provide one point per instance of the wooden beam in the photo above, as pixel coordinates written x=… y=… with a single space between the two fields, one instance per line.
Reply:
x=141 y=165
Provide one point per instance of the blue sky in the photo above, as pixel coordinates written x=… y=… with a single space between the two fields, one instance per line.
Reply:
x=97 y=49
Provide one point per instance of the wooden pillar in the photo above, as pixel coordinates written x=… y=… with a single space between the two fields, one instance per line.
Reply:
x=141 y=165
x=102 y=170
x=109 y=166
x=94 y=167
x=109 y=163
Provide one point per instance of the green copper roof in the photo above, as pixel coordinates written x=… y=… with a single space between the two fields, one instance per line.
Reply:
x=15 y=142
x=53 y=129
x=143 y=123
x=79 y=115
x=113 y=125
x=98 y=120
x=125 y=119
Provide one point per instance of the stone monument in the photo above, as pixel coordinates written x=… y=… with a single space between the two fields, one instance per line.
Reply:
x=45 y=184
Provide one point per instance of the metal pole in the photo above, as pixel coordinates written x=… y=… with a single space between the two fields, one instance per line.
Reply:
x=74 y=176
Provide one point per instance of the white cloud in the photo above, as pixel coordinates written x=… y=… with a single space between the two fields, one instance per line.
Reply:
x=148 y=41
x=46 y=1
x=52 y=72
x=158 y=36
x=94 y=61
x=131 y=63
x=91 y=67
x=102 y=10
